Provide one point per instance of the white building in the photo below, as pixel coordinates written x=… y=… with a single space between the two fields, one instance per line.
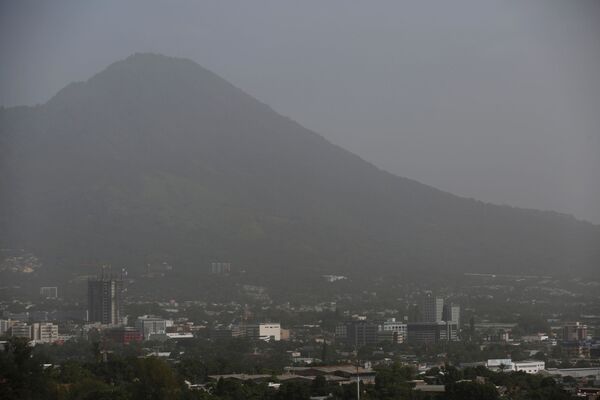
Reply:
x=264 y=331
x=44 y=332
x=394 y=330
x=4 y=326
x=149 y=325
x=529 y=366
x=500 y=364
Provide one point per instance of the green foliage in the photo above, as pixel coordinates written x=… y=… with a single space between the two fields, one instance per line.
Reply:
x=21 y=373
x=22 y=376
x=471 y=391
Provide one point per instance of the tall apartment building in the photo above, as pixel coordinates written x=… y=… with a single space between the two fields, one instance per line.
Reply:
x=575 y=332
x=431 y=308
x=451 y=313
x=437 y=321
x=105 y=300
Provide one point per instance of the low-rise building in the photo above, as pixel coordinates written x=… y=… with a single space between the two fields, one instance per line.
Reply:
x=432 y=332
x=263 y=331
x=392 y=331
x=21 y=330
x=124 y=335
x=45 y=332
x=529 y=366
x=49 y=292
x=149 y=325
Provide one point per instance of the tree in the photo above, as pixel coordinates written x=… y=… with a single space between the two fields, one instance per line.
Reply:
x=154 y=380
x=471 y=391
x=319 y=386
x=21 y=373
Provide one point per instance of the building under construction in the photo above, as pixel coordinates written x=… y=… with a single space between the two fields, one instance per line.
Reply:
x=105 y=298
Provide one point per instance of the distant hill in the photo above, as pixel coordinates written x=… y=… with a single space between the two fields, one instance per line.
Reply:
x=156 y=158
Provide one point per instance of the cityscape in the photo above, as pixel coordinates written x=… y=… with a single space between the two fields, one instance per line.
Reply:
x=299 y=200
x=337 y=341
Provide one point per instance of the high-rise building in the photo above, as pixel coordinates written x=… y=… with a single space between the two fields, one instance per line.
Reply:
x=575 y=332
x=105 y=300
x=431 y=308
x=451 y=313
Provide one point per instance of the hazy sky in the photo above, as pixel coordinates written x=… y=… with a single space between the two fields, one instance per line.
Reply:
x=497 y=100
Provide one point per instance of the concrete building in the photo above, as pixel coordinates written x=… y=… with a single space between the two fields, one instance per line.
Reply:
x=45 y=332
x=500 y=364
x=226 y=332
x=507 y=365
x=593 y=372
x=124 y=335
x=392 y=330
x=359 y=333
x=149 y=325
x=220 y=268
x=4 y=326
x=21 y=330
x=49 y=292
x=451 y=313
x=263 y=331
x=432 y=332
x=105 y=300
x=529 y=366
x=575 y=332
x=431 y=308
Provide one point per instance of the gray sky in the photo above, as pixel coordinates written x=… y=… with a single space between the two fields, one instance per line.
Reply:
x=497 y=100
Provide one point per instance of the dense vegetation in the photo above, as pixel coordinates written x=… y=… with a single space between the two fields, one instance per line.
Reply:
x=80 y=371
x=156 y=159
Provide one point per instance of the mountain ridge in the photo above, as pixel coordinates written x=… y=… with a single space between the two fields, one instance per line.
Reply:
x=158 y=157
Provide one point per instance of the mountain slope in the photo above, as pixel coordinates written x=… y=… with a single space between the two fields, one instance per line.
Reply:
x=158 y=158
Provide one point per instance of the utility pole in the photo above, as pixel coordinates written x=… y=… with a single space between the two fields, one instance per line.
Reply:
x=357 y=382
